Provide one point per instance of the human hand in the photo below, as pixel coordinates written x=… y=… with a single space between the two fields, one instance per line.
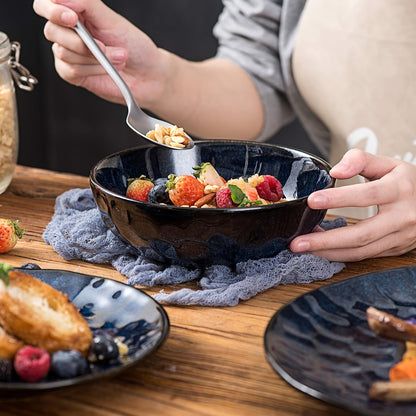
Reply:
x=211 y=98
x=131 y=51
x=391 y=185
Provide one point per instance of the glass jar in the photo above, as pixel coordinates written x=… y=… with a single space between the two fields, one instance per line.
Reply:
x=10 y=69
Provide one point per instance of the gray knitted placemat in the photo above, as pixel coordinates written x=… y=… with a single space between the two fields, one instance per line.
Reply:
x=77 y=231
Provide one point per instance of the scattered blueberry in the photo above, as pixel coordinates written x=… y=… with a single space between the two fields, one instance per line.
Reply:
x=68 y=364
x=103 y=348
x=6 y=368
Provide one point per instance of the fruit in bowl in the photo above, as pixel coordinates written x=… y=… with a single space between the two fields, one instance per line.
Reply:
x=217 y=235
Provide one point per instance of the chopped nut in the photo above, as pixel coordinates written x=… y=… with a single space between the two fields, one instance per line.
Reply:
x=254 y=180
x=177 y=139
x=210 y=188
x=173 y=136
x=205 y=200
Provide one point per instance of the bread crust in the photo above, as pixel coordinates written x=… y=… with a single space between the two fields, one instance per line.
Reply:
x=9 y=345
x=39 y=315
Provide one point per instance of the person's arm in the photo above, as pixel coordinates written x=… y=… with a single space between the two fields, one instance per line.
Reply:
x=214 y=98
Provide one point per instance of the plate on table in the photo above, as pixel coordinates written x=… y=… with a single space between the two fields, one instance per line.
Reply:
x=121 y=310
x=321 y=344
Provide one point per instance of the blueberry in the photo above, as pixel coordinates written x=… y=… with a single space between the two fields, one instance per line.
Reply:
x=68 y=364
x=30 y=266
x=6 y=368
x=103 y=348
x=159 y=193
x=160 y=181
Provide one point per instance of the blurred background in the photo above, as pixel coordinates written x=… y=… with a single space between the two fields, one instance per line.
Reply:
x=68 y=129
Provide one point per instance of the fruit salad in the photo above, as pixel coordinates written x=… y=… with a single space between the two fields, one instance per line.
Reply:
x=207 y=189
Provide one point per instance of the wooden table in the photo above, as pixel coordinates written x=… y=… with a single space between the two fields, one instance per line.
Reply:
x=212 y=363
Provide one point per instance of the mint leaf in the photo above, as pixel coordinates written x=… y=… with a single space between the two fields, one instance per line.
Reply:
x=237 y=195
x=249 y=203
x=240 y=198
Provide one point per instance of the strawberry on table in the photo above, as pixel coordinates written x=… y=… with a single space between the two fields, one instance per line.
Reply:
x=184 y=189
x=10 y=233
x=139 y=188
x=207 y=174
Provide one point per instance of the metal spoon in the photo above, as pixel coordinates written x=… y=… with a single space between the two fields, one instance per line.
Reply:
x=137 y=119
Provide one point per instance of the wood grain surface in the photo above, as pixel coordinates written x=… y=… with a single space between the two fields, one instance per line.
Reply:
x=213 y=362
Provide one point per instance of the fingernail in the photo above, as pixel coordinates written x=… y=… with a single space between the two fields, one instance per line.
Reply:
x=318 y=200
x=118 y=55
x=301 y=246
x=68 y=18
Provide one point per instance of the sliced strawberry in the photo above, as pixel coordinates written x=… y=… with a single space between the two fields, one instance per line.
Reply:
x=207 y=174
x=251 y=193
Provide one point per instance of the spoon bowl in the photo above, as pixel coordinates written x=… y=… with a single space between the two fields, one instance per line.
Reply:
x=137 y=119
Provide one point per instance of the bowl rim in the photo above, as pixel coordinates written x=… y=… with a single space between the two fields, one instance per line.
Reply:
x=278 y=205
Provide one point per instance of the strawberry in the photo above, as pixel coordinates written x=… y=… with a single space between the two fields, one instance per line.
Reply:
x=32 y=363
x=207 y=174
x=270 y=188
x=10 y=233
x=184 y=189
x=139 y=188
x=251 y=193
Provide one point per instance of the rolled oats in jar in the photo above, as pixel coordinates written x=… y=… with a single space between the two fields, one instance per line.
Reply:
x=10 y=69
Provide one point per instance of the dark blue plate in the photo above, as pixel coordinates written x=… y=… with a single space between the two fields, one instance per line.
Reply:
x=321 y=344
x=124 y=311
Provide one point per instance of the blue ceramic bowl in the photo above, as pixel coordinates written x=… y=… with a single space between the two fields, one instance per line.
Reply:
x=200 y=236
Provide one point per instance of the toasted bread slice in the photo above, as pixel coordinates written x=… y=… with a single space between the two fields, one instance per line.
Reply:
x=42 y=316
x=9 y=345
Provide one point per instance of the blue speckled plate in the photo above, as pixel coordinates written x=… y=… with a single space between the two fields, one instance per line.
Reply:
x=124 y=311
x=321 y=343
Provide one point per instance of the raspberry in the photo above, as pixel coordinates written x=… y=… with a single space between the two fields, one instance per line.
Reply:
x=270 y=189
x=6 y=368
x=223 y=198
x=31 y=363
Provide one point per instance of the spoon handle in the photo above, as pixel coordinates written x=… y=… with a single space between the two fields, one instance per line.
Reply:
x=104 y=61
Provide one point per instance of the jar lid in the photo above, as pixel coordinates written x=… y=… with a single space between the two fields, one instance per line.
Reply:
x=4 y=46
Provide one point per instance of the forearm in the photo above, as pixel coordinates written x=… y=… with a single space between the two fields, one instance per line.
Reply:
x=210 y=99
